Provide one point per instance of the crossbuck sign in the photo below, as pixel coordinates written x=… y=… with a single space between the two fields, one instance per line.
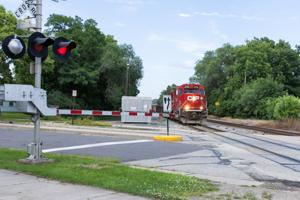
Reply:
x=26 y=5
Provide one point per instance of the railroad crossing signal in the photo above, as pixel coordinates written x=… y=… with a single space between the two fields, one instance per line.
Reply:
x=35 y=98
x=14 y=47
x=167 y=103
x=38 y=45
x=62 y=48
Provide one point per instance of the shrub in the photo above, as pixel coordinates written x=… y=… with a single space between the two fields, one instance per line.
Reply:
x=59 y=99
x=250 y=99
x=287 y=107
x=268 y=108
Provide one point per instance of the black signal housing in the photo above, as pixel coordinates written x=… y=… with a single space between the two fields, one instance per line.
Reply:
x=14 y=47
x=62 y=48
x=38 y=45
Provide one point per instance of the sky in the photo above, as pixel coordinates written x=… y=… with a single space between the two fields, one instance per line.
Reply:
x=170 y=36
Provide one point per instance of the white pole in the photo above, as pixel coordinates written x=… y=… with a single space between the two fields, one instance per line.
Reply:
x=37 y=79
x=39 y=15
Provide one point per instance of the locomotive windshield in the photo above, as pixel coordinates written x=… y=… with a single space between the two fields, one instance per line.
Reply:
x=194 y=91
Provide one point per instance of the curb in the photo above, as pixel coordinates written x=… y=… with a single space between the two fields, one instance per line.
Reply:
x=168 y=138
x=79 y=130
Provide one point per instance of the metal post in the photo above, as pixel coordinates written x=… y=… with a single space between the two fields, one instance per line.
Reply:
x=35 y=148
x=167 y=126
x=37 y=116
x=39 y=15
x=73 y=105
x=126 y=84
x=37 y=84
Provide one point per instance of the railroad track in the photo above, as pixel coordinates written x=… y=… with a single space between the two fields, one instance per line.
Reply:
x=285 y=151
x=256 y=128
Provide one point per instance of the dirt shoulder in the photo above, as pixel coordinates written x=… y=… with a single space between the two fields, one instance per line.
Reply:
x=287 y=124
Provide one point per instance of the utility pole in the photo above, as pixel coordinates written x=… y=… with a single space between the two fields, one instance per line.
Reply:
x=127 y=79
x=245 y=77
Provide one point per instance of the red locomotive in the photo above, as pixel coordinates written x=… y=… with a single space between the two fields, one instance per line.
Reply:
x=189 y=104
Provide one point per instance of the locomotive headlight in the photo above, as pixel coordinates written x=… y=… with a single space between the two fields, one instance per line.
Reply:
x=201 y=107
x=187 y=107
x=201 y=98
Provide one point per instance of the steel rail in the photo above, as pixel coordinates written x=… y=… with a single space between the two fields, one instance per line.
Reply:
x=215 y=130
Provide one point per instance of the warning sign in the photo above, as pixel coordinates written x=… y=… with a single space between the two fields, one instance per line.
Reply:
x=167 y=103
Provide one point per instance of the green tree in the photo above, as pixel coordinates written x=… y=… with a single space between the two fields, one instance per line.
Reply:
x=213 y=70
x=98 y=65
x=227 y=72
x=167 y=91
x=249 y=101
x=57 y=98
x=7 y=26
x=96 y=69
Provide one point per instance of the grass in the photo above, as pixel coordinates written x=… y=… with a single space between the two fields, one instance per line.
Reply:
x=80 y=121
x=56 y=119
x=247 y=195
x=109 y=174
x=267 y=196
x=290 y=124
x=287 y=124
x=15 y=117
x=89 y=122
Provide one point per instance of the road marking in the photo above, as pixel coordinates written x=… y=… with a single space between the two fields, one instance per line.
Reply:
x=95 y=145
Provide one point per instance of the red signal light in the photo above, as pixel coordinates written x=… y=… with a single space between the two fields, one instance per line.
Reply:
x=62 y=51
x=38 y=47
x=62 y=48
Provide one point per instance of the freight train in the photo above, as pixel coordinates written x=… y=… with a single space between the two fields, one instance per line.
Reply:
x=189 y=104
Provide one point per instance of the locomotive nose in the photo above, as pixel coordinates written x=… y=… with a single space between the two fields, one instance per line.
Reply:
x=193 y=98
x=195 y=102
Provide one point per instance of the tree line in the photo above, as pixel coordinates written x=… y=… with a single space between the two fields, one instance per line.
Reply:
x=258 y=79
x=97 y=68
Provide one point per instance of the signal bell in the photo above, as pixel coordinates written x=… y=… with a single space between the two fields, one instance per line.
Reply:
x=62 y=48
x=38 y=45
x=14 y=47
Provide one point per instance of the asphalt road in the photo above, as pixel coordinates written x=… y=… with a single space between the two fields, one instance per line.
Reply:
x=19 y=138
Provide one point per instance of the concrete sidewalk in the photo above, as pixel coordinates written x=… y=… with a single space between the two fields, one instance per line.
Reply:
x=15 y=186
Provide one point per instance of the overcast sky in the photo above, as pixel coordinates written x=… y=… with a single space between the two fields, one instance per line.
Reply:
x=171 y=35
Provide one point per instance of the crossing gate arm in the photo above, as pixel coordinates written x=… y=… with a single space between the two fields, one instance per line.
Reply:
x=107 y=113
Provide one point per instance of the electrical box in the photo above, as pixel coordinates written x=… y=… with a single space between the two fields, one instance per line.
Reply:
x=140 y=105
x=28 y=99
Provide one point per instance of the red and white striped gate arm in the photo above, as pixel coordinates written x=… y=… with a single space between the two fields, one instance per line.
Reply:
x=105 y=113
